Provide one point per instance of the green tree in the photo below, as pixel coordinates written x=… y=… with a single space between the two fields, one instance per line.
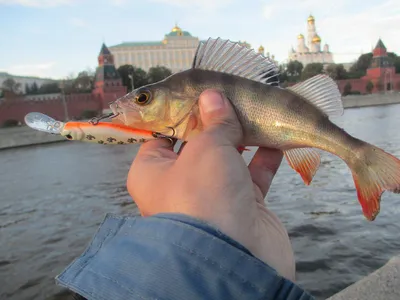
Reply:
x=27 y=89
x=369 y=87
x=11 y=85
x=34 y=88
x=294 y=70
x=283 y=76
x=158 y=73
x=49 y=88
x=359 y=68
x=83 y=82
x=336 y=71
x=347 y=89
x=311 y=70
x=138 y=74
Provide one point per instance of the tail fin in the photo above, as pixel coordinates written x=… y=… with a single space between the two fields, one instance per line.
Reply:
x=374 y=171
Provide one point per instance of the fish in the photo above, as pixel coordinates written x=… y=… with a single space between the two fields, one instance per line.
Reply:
x=93 y=132
x=295 y=119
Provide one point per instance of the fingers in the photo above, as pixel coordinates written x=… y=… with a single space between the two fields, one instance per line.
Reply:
x=219 y=118
x=156 y=149
x=264 y=166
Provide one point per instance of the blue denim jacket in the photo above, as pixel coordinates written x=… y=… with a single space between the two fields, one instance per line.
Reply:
x=171 y=256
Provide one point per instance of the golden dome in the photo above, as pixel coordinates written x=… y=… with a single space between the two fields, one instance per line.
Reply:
x=261 y=49
x=176 y=29
x=310 y=19
x=300 y=36
x=316 y=39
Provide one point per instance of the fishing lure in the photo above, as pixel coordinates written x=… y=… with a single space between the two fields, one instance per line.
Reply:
x=92 y=131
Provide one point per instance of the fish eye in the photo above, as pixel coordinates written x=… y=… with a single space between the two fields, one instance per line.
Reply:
x=143 y=97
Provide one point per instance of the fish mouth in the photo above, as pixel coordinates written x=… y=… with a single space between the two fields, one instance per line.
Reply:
x=127 y=114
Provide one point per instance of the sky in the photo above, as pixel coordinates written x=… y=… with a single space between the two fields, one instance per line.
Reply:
x=59 y=38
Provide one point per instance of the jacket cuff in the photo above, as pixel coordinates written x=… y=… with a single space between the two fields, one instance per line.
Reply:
x=171 y=256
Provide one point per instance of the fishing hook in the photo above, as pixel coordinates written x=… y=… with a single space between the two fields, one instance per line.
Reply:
x=95 y=120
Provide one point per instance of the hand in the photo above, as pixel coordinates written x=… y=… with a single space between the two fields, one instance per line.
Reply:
x=209 y=180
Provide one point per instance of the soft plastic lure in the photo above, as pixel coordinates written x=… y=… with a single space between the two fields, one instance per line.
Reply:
x=94 y=132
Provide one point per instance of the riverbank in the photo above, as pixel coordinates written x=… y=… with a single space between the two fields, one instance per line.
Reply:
x=25 y=136
x=356 y=101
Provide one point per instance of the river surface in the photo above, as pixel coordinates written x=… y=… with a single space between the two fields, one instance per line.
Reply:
x=53 y=198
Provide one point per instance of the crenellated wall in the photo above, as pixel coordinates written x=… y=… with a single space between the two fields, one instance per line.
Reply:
x=16 y=107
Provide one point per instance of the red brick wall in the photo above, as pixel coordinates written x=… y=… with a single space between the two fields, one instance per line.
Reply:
x=16 y=108
x=360 y=84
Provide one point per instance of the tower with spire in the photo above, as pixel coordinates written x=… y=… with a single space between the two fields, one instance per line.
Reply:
x=381 y=68
x=108 y=82
x=309 y=51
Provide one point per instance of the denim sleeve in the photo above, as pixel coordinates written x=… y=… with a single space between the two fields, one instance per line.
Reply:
x=171 y=256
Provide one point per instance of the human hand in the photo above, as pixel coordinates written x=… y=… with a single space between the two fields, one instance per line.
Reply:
x=209 y=180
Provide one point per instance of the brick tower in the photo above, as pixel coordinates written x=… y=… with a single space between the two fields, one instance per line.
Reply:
x=108 y=83
x=381 y=68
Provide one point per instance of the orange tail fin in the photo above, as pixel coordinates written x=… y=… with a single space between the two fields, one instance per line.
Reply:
x=374 y=171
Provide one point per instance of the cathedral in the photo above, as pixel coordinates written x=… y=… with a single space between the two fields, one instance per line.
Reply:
x=309 y=51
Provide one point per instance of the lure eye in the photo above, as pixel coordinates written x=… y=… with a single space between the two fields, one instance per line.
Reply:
x=143 y=98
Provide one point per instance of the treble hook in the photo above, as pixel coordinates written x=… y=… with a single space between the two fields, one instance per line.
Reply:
x=95 y=120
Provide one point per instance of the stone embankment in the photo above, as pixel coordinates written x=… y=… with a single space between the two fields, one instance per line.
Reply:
x=383 y=284
x=25 y=136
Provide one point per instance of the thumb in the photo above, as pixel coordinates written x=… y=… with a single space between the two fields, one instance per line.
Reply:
x=219 y=117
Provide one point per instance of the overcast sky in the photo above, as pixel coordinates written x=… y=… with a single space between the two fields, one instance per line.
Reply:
x=54 y=38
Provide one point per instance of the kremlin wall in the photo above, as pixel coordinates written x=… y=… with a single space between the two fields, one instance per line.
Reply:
x=108 y=87
x=108 y=83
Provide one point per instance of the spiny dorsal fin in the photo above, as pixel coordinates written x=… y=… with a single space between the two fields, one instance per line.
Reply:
x=304 y=161
x=321 y=91
x=232 y=58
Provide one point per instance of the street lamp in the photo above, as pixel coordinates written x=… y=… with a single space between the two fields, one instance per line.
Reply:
x=62 y=87
x=131 y=77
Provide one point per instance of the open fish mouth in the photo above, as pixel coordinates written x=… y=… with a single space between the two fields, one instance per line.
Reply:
x=125 y=113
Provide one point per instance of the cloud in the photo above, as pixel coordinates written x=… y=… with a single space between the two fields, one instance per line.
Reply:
x=37 y=3
x=40 y=70
x=76 y=22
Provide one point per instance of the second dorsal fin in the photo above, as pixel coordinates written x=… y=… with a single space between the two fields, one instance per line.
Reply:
x=232 y=58
x=321 y=91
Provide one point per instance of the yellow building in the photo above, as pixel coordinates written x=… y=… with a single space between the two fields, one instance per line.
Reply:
x=175 y=51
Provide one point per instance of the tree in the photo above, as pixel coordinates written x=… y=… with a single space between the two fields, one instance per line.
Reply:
x=158 y=73
x=294 y=70
x=139 y=76
x=27 y=89
x=369 y=87
x=347 y=89
x=83 y=82
x=49 y=88
x=311 y=70
x=336 y=71
x=11 y=85
x=359 y=68
x=34 y=88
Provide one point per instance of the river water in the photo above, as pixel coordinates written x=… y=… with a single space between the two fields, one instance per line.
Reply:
x=53 y=198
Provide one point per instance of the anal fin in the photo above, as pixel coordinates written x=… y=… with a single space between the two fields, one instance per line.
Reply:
x=304 y=161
